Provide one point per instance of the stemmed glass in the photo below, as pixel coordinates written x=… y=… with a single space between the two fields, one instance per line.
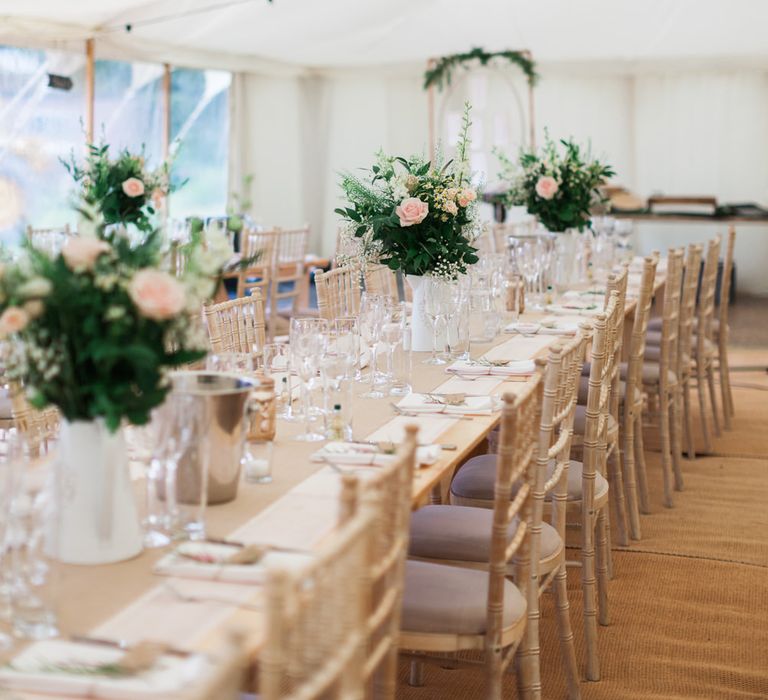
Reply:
x=309 y=342
x=374 y=309
x=436 y=298
x=9 y=482
x=277 y=364
x=529 y=263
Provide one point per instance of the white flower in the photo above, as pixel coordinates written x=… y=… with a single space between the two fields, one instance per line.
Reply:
x=35 y=288
x=33 y=307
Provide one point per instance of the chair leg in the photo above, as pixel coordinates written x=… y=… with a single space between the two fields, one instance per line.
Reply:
x=700 y=381
x=688 y=419
x=609 y=552
x=725 y=383
x=588 y=583
x=603 y=548
x=528 y=657
x=674 y=430
x=416 y=677
x=713 y=398
x=560 y=592
x=630 y=479
x=642 y=478
x=666 y=455
x=617 y=496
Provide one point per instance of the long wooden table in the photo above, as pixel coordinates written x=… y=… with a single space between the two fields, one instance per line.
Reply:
x=127 y=601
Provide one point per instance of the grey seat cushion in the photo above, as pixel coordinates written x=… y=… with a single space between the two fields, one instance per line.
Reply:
x=476 y=479
x=451 y=600
x=463 y=533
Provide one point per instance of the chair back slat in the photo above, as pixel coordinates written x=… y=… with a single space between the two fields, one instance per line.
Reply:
x=258 y=246
x=380 y=280
x=688 y=308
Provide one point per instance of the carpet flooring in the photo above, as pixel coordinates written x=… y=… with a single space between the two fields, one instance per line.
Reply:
x=689 y=602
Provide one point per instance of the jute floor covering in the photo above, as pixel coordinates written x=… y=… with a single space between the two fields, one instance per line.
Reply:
x=689 y=603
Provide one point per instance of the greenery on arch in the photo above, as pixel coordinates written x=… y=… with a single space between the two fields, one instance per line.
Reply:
x=440 y=74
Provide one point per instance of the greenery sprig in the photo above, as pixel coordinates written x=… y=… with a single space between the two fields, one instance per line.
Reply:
x=440 y=74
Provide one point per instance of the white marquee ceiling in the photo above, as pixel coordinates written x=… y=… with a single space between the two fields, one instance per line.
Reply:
x=343 y=33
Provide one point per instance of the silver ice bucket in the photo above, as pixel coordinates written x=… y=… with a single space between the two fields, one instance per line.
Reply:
x=226 y=397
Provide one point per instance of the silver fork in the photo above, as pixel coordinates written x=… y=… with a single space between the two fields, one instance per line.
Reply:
x=435 y=414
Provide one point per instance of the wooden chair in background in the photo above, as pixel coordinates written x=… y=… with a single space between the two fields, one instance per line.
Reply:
x=631 y=419
x=237 y=325
x=288 y=282
x=722 y=332
x=258 y=246
x=704 y=347
x=338 y=292
x=660 y=381
x=379 y=279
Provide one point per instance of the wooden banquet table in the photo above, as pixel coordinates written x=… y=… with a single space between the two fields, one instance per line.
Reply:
x=127 y=601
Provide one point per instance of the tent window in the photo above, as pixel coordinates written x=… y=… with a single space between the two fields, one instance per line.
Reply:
x=200 y=121
x=38 y=125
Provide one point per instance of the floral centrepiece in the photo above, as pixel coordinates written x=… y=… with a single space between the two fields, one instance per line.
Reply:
x=560 y=187
x=415 y=215
x=100 y=323
x=122 y=189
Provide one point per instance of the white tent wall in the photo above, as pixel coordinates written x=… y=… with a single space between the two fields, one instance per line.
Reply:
x=691 y=131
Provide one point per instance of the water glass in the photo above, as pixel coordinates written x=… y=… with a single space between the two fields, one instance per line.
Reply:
x=347 y=332
x=309 y=343
x=233 y=362
x=402 y=361
x=458 y=320
x=257 y=461
x=277 y=364
x=483 y=319
x=178 y=492
x=436 y=307
x=374 y=310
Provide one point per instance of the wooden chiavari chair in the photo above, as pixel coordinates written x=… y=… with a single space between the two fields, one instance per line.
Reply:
x=258 y=246
x=338 y=292
x=317 y=620
x=500 y=234
x=722 y=332
x=39 y=426
x=704 y=347
x=448 y=609
x=237 y=325
x=379 y=279
x=632 y=404
x=229 y=675
x=458 y=534
x=660 y=377
x=288 y=274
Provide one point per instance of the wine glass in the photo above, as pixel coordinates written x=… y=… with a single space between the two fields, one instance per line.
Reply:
x=373 y=312
x=277 y=364
x=435 y=307
x=309 y=342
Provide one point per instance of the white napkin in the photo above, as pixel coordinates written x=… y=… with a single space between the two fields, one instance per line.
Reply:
x=360 y=454
x=575 y=307
x=560 y=325
x=32 y=671
x=472 y=405
x=513 y=368
x=176 y=564
x=523 y=328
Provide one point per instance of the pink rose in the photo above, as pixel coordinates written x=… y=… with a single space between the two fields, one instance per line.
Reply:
x=412 y=211
x=466 y=197
x=157 y=295
x=81 y=252
x=158 y=198
x=13 y=320
x=451 y=208
x=133 y=187
x=546 y=187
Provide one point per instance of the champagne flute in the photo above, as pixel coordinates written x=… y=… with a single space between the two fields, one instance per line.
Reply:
x=435 y=309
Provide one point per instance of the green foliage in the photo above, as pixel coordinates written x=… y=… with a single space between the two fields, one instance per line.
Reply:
x=83 y=342
x=440 y=74
x=577 y=175
x=441 y=243
x=101 y=181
